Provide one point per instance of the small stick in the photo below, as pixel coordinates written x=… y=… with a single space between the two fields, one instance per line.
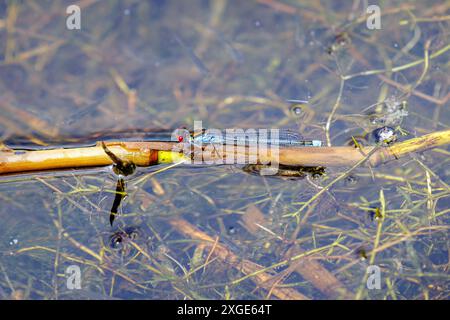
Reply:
x=311 y=270
x=262 y=279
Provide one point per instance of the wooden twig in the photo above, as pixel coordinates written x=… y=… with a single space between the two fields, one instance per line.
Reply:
x=311 y=270
x=262 y=279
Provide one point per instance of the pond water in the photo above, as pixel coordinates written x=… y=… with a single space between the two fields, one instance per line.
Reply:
x=318 y=68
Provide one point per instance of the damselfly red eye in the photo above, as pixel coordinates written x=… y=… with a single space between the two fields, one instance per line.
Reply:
x=180 y=138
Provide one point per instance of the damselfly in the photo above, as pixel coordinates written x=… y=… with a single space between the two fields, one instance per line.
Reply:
x=280 y=137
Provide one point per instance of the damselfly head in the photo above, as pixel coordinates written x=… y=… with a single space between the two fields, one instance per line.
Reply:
x=180 y=135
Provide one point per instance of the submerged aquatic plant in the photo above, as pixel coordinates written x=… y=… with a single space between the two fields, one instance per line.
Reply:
x=219 y=232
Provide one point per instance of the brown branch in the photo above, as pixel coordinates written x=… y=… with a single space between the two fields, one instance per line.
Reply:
x=308 y=268
x=146 y=153
x=262 y=279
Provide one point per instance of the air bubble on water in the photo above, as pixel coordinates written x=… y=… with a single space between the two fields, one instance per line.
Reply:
x=126 y=12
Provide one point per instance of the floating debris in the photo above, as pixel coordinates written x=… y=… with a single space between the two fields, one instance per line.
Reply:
x=391 y=112
x=384 y=135
x=361 y=253
x=340 y=41
x=120 y=238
